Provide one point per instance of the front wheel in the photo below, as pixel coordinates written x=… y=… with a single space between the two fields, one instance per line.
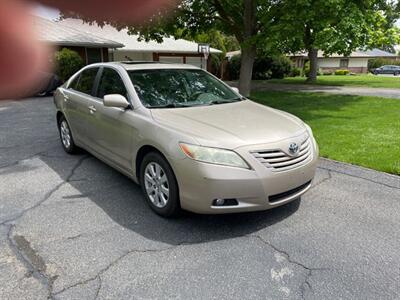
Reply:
x=159 y=185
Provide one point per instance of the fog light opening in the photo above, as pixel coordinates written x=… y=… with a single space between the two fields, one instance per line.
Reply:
x=225 y=202
x=219 y=202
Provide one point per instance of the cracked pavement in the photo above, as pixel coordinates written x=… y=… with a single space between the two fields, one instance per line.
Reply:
x=73 y=228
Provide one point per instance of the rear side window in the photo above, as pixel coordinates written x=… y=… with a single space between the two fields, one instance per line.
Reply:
x=86 y=81
x=111 y=83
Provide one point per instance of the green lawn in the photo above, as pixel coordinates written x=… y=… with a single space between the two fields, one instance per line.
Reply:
x=360 y=130
x=356 y=80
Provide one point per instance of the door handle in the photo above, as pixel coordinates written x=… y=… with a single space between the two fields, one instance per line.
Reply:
x=92 y=109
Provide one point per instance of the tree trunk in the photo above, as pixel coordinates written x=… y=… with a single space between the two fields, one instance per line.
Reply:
x=248 y=46
x=313 y=57
x=246 y=70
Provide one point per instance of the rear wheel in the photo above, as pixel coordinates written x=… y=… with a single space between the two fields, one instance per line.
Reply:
x=67 y=140
x=159 y=185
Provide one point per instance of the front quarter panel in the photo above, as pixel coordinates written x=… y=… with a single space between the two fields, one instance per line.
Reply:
x=164 y=139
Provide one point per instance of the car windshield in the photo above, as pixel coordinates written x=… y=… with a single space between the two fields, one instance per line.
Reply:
x=168 y=88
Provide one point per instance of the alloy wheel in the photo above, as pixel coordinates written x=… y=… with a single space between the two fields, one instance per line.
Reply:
x=156 y=184
x=65 y=134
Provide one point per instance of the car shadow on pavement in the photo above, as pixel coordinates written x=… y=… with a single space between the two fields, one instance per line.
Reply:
x=122 y=200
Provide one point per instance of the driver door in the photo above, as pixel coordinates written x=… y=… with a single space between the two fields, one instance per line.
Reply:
x=111 y=129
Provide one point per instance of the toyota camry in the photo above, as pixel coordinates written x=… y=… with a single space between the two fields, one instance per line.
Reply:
x=191 y=141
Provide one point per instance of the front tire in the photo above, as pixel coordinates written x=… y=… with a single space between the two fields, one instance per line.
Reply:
x=159 y=185
x=67 y=141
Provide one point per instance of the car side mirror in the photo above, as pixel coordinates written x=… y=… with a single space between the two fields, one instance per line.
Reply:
x=235 y=89
x=115 y=100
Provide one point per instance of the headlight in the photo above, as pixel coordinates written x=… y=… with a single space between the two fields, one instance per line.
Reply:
x=214 y=155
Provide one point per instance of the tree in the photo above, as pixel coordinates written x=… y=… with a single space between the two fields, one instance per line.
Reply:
x=242 y=19
x=271 y=26
x=333 y=26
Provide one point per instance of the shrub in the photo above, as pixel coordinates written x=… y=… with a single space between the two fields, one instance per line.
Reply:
x=295 y=72
x=216 y=61
x=327 y=73
x=234 y=68
x=67 y=62
x=264 y=67
x=342 y=72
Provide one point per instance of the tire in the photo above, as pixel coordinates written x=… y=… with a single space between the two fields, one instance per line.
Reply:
x=67 y=141
x=396 y=74
x=159 y=185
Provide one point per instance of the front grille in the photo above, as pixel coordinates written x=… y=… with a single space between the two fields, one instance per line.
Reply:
x=278 y=197
x=280 y=161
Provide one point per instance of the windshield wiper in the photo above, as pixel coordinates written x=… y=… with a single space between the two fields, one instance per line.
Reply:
x=169 y=105
x=225 y=101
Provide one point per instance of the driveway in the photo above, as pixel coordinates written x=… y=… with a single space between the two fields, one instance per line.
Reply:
x=73 y=228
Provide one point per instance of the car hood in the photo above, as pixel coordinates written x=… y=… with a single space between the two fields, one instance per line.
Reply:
x=231 y=125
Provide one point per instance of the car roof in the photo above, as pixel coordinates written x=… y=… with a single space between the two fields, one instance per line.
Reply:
x=146 y=65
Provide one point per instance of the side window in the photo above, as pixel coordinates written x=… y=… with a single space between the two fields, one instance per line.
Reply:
x=74 y=83
x=86 y=81
x=111 y=83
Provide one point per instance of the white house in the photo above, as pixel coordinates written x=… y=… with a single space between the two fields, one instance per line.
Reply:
x=356 y=62
x=91 y=48
x=170 y=50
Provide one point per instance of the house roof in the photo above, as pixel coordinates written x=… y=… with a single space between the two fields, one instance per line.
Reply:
x=358 y=53
x=60 y=34
x=131 y=43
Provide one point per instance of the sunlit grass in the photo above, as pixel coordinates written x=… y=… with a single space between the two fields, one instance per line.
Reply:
x=356 y=129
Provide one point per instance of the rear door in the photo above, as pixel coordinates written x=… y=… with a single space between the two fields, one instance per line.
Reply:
x=387 y=70
x=110 y=129
x=76 y=102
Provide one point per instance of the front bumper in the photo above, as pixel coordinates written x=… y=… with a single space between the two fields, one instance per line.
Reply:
x=258 y=189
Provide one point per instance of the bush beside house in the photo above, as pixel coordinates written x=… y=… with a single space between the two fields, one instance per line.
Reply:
x=342 y=72
x=265 y=67
x=68 y=62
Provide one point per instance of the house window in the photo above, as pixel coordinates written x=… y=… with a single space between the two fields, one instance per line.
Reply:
x=344 y=63
x=93 y=55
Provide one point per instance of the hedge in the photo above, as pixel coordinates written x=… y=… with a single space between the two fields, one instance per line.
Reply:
x=68 y=62
x=264 y=67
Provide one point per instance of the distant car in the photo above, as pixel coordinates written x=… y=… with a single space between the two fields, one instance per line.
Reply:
x=394 y=70
x=189 y=139
x=49 y=82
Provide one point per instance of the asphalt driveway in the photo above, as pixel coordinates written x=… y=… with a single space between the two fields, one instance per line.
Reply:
x=73 y=228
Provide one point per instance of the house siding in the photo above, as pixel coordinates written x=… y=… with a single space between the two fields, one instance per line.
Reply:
x=182 y=58
x=331 y=64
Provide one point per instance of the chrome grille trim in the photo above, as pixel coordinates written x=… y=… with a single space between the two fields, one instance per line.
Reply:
x=278 y=160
